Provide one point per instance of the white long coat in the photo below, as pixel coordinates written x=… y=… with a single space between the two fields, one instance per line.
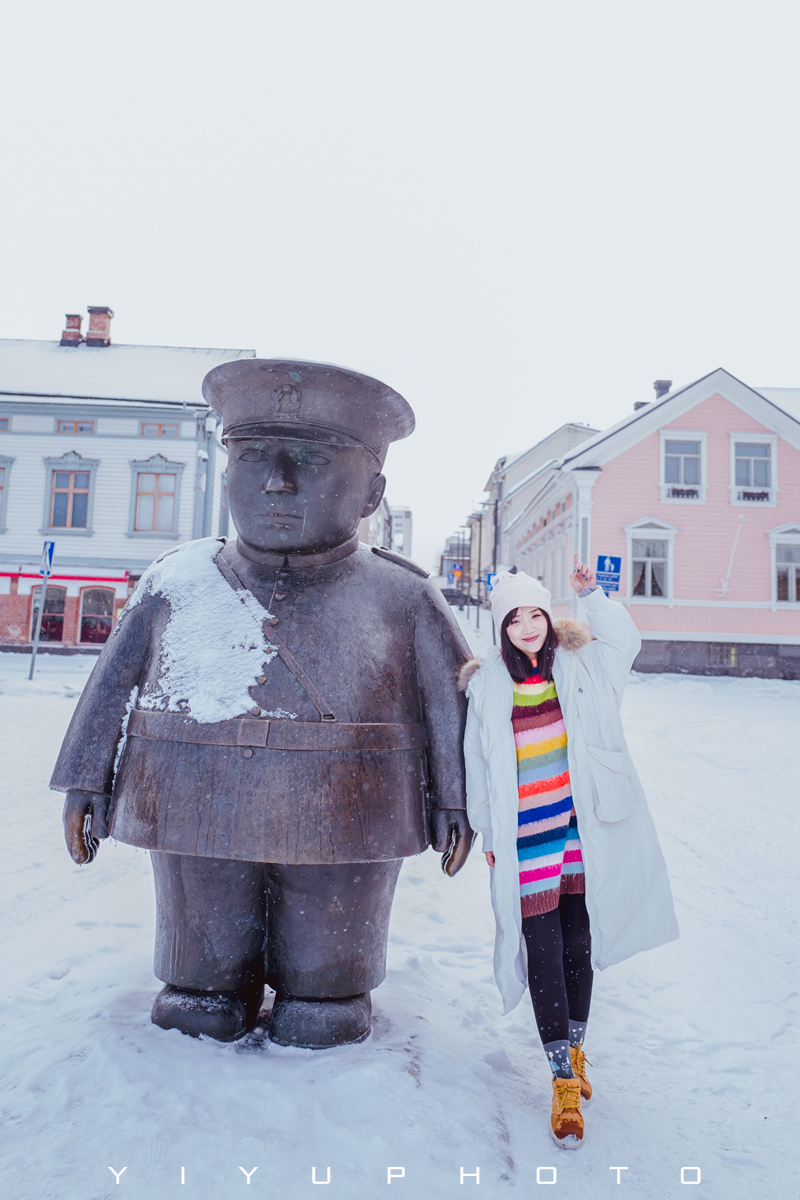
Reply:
x=628 y=896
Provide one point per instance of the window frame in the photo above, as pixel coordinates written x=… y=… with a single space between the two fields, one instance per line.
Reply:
x=755 y=439
x=7 y=425
x=656 y=529
x=683 y=435
x=74 y=432
x=94 y=587
x=176 y=425
x=5 y=465
x=783 y=535
x=39 y=587
x=71 y=461
x=155 y=465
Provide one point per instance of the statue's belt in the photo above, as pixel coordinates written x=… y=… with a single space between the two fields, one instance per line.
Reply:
x=276 y=734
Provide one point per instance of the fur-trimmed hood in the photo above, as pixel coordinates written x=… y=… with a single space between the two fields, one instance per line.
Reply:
x=572 y=636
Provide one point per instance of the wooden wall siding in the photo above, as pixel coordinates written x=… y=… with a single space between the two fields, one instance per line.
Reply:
x=30 y=482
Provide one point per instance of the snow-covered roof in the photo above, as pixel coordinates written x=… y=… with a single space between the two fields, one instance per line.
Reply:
x=786 y=398
x=172 y=373
x=530 y=477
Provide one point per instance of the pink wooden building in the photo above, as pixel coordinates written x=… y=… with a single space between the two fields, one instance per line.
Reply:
x=698 y=495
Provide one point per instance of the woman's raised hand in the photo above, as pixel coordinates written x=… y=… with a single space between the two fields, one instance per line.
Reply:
x=489 y=857
x=582 y=575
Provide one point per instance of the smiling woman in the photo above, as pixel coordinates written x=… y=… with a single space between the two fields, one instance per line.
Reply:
x=578 y=879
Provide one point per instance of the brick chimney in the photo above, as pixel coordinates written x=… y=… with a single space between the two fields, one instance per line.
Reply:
x=661 y=386
x=71 y=333
x=99 y=331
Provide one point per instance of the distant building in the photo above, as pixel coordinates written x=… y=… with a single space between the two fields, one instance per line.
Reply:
x=376 y=530
x=696 y=497
x=402 y=530
x=110 y=451
x=515 y=480
x=454 y=564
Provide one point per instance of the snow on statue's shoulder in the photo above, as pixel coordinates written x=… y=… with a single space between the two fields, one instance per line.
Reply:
x=214 y=645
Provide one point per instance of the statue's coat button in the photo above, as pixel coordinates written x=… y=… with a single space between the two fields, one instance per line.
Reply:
x=261 y=679
x=248 y=752
x=280 y=596
x=273 y=621
x=255 y=712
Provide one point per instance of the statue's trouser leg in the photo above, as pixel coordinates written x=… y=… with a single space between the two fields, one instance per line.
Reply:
x=210 y=922
x=326 y=949
x=328 y=927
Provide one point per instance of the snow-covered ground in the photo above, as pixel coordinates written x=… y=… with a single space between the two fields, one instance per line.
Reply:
x=693 y=1045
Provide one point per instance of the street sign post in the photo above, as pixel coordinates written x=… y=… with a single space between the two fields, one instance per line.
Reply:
x=45 y=570
x=609 y=570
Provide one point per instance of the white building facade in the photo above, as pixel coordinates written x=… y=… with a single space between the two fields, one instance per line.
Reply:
x=111 y=452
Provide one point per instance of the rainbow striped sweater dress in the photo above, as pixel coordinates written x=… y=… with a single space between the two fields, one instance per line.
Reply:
x=548 y=845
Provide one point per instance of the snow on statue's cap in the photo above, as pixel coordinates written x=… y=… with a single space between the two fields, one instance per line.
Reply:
x=517 y=591
x=283 y=397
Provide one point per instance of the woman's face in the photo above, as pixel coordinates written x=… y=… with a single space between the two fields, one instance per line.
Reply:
x=527 y=630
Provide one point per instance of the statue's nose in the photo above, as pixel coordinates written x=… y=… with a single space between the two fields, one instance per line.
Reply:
x=282 y=476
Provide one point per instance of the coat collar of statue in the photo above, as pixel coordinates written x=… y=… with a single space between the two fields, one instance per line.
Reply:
x=298 y=561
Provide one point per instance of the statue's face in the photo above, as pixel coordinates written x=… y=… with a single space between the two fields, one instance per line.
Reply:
x=292 y=496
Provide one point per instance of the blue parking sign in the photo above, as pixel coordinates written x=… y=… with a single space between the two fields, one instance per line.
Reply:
x=609 y=570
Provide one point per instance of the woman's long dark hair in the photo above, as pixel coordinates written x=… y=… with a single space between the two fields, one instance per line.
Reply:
x=518 y=664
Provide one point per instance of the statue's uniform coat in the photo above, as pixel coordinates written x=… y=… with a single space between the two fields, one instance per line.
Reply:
x=380 y=645
x=378 y=641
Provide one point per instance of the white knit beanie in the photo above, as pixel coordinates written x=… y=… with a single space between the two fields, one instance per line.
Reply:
x=517 y=591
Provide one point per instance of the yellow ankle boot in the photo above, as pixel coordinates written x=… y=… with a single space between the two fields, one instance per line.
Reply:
x=566 y=1120
x=579 y=1061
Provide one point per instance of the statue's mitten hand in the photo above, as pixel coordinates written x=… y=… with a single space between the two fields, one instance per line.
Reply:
x=85 y=820
x=452 y=836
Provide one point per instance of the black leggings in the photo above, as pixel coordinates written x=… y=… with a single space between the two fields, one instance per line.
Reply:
x=559 y=966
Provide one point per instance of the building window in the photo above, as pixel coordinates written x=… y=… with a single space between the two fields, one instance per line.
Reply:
x=649 y=567
x=788 y=573
x=753 y=469
x=3 y=424
x=155 y=502
x=155 y=498
x=650 y=547
x=752 y=473
x=97 y=614
x=75 y=427
x=682 y=467
x=70 y=494
x=5 y=472
x=53 y=615
x=787 y=564
x=155 y=429
x=69 y=504
x=683 y=473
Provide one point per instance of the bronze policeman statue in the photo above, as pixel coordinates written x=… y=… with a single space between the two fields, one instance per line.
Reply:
x=275 y=719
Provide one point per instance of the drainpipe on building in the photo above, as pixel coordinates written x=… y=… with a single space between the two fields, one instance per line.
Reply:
x=585 y=479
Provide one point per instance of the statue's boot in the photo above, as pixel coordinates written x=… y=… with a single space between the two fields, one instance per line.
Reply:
x=317 y=1024
x=225 y=1016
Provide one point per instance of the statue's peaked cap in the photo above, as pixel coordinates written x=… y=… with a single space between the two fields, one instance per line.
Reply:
x=334 y=403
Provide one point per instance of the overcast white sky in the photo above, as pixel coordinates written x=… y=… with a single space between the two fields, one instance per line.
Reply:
x=515 y=213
